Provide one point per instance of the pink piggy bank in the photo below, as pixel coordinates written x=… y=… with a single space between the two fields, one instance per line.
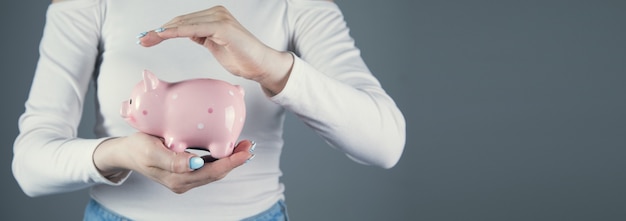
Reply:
x=199 y=113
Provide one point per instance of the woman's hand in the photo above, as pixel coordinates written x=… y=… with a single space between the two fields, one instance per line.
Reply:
x=148 y=155
x=240 y=52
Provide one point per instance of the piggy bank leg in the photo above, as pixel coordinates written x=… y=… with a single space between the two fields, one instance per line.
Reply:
x=221 y=150
x=175 y=145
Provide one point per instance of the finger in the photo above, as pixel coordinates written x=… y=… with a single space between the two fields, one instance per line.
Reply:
x=191 y=21
x=244 y=145
x=149 y=39
x=219 y=168
x=238 y=148
x=182 y=182
x=194 y=31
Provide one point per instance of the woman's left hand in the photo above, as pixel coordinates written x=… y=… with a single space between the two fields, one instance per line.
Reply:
x=234 y=47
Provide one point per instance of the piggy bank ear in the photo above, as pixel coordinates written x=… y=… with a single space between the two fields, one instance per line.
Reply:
x=150 y=81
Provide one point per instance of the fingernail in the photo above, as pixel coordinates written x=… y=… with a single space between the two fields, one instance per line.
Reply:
x=159 y=30
x=253 y=146
x=142 y=34
x=251 y=157
x=138 y=42
x=196 y=163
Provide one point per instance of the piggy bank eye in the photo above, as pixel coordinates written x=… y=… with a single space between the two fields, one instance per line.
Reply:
x=131 y=101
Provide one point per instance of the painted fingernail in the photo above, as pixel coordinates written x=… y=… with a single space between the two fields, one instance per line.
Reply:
x=142 y=34
x=196 y=163
x=253 y=146
x=138 y=42
x=251 y=157
x=159 y=30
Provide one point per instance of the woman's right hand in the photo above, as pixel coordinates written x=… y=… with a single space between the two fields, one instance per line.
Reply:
x=147 y=155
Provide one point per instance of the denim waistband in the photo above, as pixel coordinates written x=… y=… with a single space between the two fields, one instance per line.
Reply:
x=96 y=212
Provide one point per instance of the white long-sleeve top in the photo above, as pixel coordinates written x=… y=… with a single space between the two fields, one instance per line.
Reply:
x=330 y=88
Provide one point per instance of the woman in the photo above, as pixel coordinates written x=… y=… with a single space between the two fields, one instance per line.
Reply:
x=289 y=55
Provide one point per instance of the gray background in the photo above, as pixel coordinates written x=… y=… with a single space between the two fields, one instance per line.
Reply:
x=515 y=111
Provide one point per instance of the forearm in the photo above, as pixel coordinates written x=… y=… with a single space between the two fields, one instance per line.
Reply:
x=44 y=163
x=355 y=116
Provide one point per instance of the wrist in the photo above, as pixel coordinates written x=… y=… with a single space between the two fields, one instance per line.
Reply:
x=277 y=75
x=106 y=161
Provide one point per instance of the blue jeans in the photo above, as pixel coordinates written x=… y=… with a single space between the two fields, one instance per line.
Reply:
x=96 y=212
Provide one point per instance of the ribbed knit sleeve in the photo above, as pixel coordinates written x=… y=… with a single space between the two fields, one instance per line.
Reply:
x=48 y=156
x=332 y=90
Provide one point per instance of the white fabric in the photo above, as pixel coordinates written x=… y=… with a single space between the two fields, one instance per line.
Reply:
x=330 y=89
